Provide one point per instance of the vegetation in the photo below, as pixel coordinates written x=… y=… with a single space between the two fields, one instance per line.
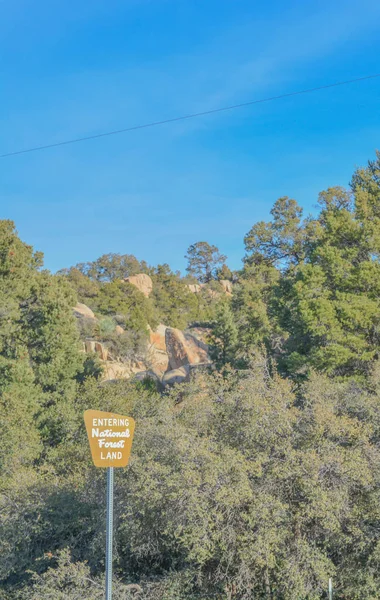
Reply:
x=259 y=479
x=175 y=305
x=224 y=338
x=326 y=300
x=204 y=261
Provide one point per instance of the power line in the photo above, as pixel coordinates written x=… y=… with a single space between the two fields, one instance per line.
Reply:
x=190 y=116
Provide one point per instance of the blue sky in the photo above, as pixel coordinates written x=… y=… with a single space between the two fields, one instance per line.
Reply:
x=72 y=69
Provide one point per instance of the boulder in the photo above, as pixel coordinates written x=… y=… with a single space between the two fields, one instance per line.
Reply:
x=201 y=333
x=179 y=375
x=184 y=349
x=116 y=370
x=100 y=349
x=197 y=350
x=136 y=365
x=81 y=310
x=124 y=370
x=195 y=288
x=89 y=346
x=156 y=356
x=227 y=286
x=157 y=337
x=212 y=293
x=150 y=375
x=143 y=283
x=184 y=374
x=157 y=359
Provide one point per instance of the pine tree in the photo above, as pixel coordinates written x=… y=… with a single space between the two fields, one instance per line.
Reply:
x=326 y=304
x=39 y=340
x=204 y=261
x=224 y=337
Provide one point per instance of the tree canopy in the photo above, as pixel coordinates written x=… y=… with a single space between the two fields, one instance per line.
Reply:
x=325 y=303
x=109 y=267
x=204 y=261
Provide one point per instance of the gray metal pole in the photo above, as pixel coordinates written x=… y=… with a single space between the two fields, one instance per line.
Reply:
x=109 y=533
x=330 y=589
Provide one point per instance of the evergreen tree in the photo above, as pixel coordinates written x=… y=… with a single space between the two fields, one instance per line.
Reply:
x=224 y=337
x=279 y=242
x=19 y=394
x=121 y=298
x=329 y=303
x=251 y=305
x=175 y=304
x=110 y=267
x=325 y=307
x=204 y=261
x=86 y=289
x=39 y=341
x=20 y=403
x=224 y=273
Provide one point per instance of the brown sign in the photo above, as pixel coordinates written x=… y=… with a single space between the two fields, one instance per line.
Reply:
x=110 y=438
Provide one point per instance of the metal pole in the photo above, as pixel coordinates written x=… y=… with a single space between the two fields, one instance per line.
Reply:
x=330 y=589
x=109 y=533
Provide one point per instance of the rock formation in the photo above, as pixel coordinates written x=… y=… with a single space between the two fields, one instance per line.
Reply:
x=81 y=310
x=227 y=286
x=157 y=338
x=176 y=376
x=150 y=375
x=195 y=288
x=116 y=370
x=157 y=359
x=94 y=346
x=184 y=349
x=170 y=354
x=143 y=283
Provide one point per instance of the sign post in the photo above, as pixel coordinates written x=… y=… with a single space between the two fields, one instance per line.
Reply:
x=110 y=438
x=330 y=589
x=109 y=533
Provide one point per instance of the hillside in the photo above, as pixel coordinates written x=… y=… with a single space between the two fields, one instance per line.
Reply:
x=256 y=395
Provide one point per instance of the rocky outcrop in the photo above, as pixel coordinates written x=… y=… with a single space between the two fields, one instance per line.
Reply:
x=202 y=334
x=179 y=375
x=143 y=283
x=183 y=374
x=195 y=288
x=94 y=346
x=81 y=310
x=184 y=352
x=150 y=375
x=157 y=337
x=227 y=286
x=157 y=357
x=116 y=370
x=170 y=353
x=101 y=350
x=157 y=360
x=184 y=349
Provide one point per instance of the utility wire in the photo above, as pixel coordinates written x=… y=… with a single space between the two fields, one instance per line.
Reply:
x=190 y=116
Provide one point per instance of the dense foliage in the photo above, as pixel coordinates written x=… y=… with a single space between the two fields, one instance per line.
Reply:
x=322 y=307
x=259 y=479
